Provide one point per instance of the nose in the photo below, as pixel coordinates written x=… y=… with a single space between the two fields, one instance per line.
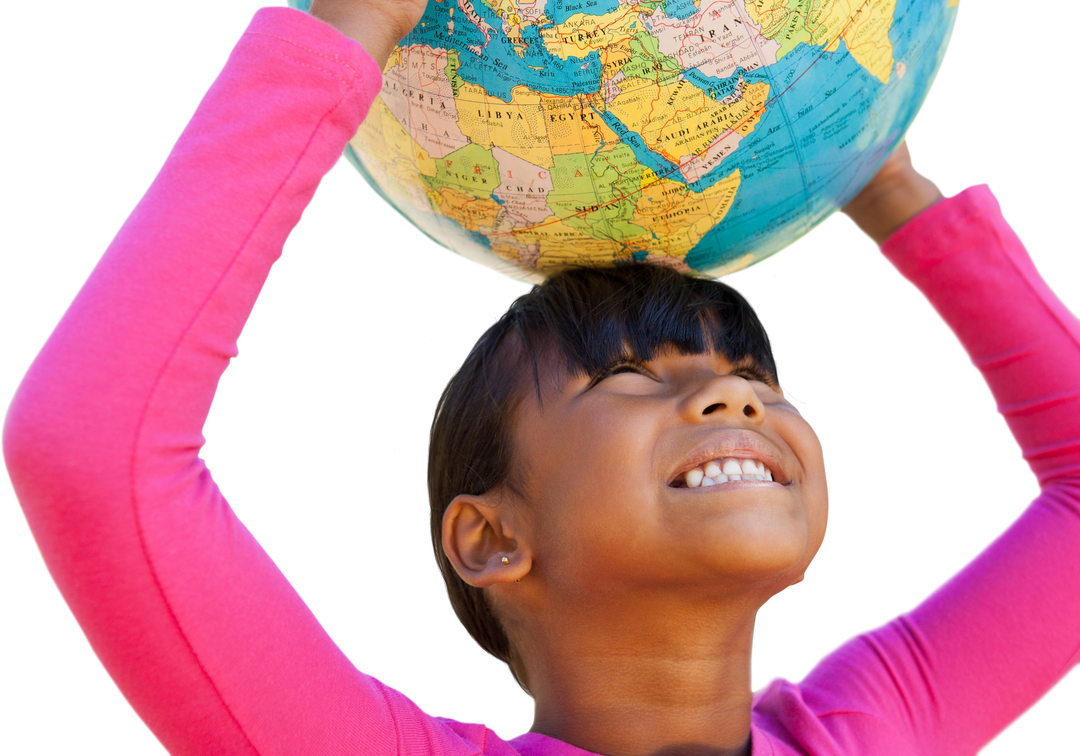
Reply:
x=727 y=394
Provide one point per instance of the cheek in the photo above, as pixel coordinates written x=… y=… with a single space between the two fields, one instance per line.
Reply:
x=596 y=490
x=815 y=493
x=819 y=495
x=810 y=448
x=604 y=450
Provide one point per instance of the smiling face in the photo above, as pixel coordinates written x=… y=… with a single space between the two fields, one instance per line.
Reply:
x=633 y=604
x=615 y=475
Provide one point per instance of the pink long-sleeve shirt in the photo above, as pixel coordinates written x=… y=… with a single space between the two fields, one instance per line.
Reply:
x=218 y=653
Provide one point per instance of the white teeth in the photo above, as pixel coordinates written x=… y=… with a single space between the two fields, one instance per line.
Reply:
x=726 y=470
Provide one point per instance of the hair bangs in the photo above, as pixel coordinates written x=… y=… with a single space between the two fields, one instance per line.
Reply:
x=594 y=318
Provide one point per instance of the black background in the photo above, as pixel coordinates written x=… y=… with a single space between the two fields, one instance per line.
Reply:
x=297 y=437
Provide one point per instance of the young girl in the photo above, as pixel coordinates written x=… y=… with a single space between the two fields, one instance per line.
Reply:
x=630 y=624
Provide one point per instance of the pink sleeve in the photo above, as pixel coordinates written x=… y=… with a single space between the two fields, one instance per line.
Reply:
x=953 y=673
x=199 y=629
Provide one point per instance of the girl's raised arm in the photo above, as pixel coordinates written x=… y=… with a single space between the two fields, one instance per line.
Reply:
x=202 y=633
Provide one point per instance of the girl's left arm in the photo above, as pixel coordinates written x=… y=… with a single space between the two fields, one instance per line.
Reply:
x=895 y=196
x=988 y=644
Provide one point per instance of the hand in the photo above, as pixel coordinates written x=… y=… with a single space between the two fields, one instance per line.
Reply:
x=893 y=197
x=378 y=25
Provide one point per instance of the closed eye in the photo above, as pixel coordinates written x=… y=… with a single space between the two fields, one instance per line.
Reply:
x=623 y=366
x=751 y=374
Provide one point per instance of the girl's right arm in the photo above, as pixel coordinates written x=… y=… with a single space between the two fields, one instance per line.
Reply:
x=199 y=629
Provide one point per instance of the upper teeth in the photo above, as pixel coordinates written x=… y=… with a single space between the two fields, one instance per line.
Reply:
x=724 y=470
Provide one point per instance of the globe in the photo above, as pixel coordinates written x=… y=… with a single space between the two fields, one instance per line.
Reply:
x=706 y=135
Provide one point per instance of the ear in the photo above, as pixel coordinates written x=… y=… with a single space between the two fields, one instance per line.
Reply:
x=477 y=536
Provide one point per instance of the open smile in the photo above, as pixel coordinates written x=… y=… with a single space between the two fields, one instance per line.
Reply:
x=730 y=486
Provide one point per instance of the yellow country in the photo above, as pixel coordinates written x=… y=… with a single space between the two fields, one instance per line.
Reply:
x=471 y=212
x=574 y=125
x=582 y=34
x=518 y=126
x=678 y=217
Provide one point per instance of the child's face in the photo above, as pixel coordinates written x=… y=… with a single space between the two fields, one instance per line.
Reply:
x=602 y=510
x=603 y=455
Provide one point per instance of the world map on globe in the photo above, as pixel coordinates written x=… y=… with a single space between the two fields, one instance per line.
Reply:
x=706 y=135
